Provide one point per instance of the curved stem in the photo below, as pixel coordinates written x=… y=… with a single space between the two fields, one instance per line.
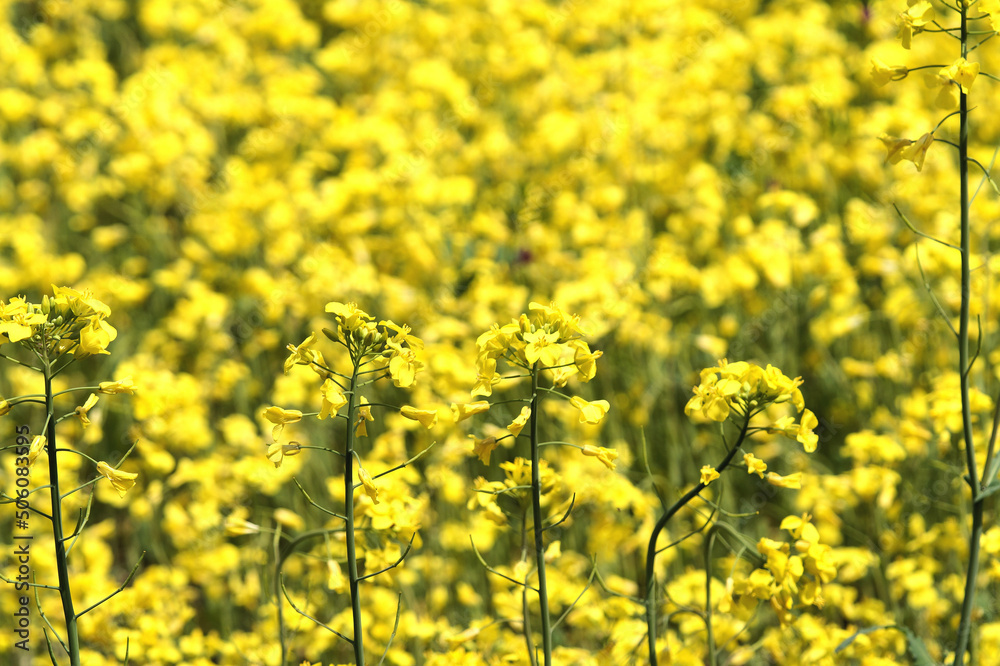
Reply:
x=651 y=549
x=62 y=567
x=536 y=509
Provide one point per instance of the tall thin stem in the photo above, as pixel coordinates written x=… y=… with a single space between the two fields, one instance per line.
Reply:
x=352 y=558
x=62 y=567
x=965 y=625
x=536 y=508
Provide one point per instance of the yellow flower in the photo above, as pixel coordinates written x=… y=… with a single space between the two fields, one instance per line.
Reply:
x=403 y=365
x=913 y=20
x=542 y=345
x=801 y=527
x=4 y=407
x=754 y=465
x=590 y=412
x=959 y=75
x=403 y=335
x=584 y=359
x=805 y=435
x=519 y=422
x=280 y=417
x=349 y=315
x=426 y=417
x=277 y=453
x=95 y=338
x=122 y=481
x=364 y=415
x=904 y=149
x=486 y=377
x=18 y=319
x=483 y=447
x=991 y=7
x=462 y=411
x=333 y=399
x=85 y=409
x=883 y=73
x=80 y=303
x=366 y=480
x=125 y=385
x=606 y=456
x=793 y=481
x=303 y=354
x=37 y=444
x=708 y=474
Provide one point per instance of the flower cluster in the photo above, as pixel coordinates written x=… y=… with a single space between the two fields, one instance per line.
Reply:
x=385 y=345
x=783 y=580
x=744 y=389
x=67 y=322
x=547 y=336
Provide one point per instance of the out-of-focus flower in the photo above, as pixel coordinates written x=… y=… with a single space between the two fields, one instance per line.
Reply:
x=708 y=474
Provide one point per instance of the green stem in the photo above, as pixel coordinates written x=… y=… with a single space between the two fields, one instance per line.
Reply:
x=536 y=508
x=965 y=624
x=352 y=557
x=651 y=548
x=62 y=567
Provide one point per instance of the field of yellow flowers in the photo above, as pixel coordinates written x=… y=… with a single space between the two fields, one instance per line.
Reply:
x=410 y=314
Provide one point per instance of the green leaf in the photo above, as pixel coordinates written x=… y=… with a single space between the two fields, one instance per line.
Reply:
x=921 y=657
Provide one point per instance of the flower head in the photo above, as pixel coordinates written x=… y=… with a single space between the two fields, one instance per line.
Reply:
x=125 y=385
x=366 y=480
x=517 y=425
x=708 y=474
x=483 y=447
x=279 y=417
x=121 y=481
x=904 y=149
x=754 y=465
x=277 y=453
x=883 y=73
x=83 y=411
x=958 y=76
x=606 y=456
x=793 y=481
x=912 y=21
x=590 y=412
x=333 y=398
x=462 y=411
x=426 y=417
x=37 y=446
